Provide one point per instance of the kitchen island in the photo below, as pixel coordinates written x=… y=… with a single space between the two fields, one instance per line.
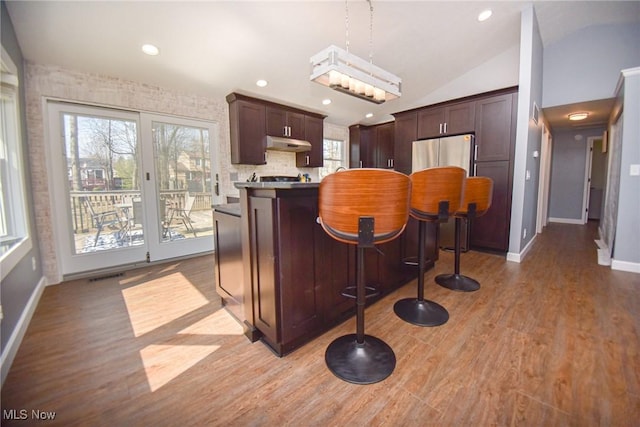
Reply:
x=294 y=274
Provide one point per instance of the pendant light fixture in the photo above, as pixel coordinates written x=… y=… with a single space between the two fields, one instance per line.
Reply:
x=345 y=72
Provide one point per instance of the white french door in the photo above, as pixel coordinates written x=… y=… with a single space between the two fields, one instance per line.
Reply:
x=178 y=171
x=128 y=187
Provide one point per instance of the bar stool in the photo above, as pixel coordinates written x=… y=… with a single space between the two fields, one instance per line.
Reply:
x=435 y=195
x=476 y=200
x=363 y=207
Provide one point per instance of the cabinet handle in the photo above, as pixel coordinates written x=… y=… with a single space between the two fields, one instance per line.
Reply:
x=308 y=160
x=445 y=127
x=360 y=163
x=391 y=162
x=289 y=130
x=440 y=131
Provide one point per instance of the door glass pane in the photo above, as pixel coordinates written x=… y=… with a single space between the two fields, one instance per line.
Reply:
x=183 y=177
x=104 y=186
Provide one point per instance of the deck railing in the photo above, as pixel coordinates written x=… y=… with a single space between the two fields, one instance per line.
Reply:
x=105 y=201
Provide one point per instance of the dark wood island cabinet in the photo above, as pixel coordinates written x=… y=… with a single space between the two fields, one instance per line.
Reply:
x=295 y=274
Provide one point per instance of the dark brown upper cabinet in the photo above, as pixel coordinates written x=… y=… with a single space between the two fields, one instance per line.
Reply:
x=281 y=122
x=494 y=127
x=247 y=128
x=372 y=146
x=313 y=130
x=451 y=119
x=252 y=119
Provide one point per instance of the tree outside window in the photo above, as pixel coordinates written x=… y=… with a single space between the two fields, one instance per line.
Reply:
x=335 y=156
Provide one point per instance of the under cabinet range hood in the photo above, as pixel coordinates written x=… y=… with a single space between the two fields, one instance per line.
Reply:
x=287 y=144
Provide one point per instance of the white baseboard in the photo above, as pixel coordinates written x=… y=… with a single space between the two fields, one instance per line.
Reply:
x=518 y=257
x=567 y=221
x=11 y=349
x=632 y=267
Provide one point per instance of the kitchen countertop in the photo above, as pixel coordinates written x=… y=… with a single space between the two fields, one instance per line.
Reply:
x=229 y=208
x=277 y=185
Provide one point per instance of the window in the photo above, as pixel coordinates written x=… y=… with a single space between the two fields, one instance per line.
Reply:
x=14 y=232
x=335 y=156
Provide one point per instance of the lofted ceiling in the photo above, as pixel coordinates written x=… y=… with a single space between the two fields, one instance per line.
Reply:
x=213 y=48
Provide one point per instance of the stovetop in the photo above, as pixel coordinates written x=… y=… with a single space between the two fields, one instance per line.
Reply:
x=279 y=178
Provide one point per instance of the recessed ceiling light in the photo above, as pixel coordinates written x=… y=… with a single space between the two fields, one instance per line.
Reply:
x=150 y=49
x=369 y=115
x=261 y=83
x=484 y=15
x=578 y=116
x=326 y=101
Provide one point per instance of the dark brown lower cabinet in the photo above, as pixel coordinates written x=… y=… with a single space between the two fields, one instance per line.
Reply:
x=228 y=261
x=491 y=231
x=298 y=273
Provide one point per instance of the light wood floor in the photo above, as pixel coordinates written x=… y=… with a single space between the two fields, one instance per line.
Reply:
x=554 y=340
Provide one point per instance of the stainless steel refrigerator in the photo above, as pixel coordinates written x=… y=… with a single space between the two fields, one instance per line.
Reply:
x=456 y=150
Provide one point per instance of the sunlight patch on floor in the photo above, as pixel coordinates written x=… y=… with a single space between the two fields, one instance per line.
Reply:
x=163 y=363
x=157 y=303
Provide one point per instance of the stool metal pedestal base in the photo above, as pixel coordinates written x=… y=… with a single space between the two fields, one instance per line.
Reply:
x=421 y=313
x=457 y=282
x=366 y=363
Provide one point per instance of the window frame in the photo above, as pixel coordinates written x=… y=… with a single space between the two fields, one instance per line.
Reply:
x=16 y=214
x=344 y=161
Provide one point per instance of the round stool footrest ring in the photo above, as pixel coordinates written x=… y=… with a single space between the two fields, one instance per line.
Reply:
x=370 y=292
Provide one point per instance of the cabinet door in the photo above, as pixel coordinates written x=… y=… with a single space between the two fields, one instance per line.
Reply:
x=491 y=231
x=493 y=128
x=460 y=118
x=248 y=129
x=296 y=123
x=430 y=122
x=301 y=304
x=228 y=262
x=362 y=141
x=335 y=270
x=390 y=267
x=266 y=295
x=313 y=127
x=354 y=147
x=405 y=131
x=281 y=122
x=384 y=145
x=276 y=121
